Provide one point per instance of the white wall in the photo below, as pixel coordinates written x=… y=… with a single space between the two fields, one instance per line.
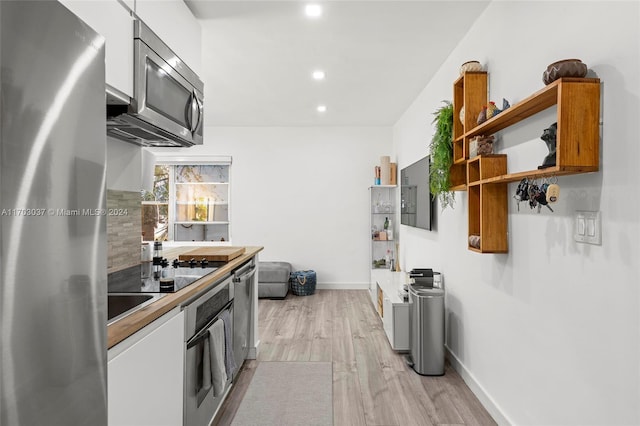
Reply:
x=124 y=162
x=548 y=333
x=302 y=194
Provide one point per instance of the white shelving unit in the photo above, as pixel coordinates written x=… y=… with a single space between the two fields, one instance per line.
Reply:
x=385 y=283
x=382 y=241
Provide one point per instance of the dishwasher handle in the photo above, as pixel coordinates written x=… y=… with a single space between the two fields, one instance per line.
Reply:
x=246 y=276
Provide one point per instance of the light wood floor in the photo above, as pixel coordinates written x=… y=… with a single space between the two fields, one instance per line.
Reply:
x=372 y=385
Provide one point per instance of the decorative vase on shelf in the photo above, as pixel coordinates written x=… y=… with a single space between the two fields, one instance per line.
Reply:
x=564 y=68
x=385 y=170
x=470 y=66
x=462 y=115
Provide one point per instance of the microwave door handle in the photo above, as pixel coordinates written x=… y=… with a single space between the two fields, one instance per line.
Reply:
x=200 y=113
x=193 y=110
x=189 y=112
x=196 y=106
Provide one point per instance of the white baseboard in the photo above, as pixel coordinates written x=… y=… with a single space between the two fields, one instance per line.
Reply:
x=342 y=286
x=485 y=399
x=254 y=351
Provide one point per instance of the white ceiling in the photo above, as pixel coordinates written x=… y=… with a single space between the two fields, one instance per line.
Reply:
x=378 y=55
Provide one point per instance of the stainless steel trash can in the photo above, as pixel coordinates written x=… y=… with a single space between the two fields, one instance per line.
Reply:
x=426 y=329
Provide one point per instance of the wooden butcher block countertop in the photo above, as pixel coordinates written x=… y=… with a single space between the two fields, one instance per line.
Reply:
x=213 y=254
x=127 y=326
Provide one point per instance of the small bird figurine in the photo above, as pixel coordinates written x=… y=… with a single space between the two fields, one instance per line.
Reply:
x=505 y=104
x=482 y=117
x=492 y=110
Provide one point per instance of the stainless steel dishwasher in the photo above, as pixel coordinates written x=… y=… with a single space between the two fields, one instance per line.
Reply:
x=243 y=282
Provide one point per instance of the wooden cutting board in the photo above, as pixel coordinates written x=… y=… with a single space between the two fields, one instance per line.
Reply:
x=213 y=254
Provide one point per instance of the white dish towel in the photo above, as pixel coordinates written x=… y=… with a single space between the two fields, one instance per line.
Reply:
x=217 y=352
x=230 y=360
x=206 y=365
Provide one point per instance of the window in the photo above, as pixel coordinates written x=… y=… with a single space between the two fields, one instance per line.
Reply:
x=189 y=202
x=155 y=207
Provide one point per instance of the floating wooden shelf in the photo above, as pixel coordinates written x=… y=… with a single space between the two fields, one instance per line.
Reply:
x=470 y=92
x=458 y=177
x=565 y=91
x=488 y=203
x=488 y=217
x=462 y=187
x=541 y=173
x=577 y=149
x=485 y=167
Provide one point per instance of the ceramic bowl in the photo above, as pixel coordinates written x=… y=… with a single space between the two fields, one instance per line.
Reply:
x=564 y=68
x=470 y=66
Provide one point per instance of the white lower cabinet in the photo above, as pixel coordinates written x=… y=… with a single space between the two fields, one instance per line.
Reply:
x=393 y=310
x=387 y=319
x=145 y=375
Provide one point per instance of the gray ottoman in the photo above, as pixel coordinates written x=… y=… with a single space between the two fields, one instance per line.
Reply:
x=273 y=279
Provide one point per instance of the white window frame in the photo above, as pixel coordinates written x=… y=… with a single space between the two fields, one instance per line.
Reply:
x=171 y=159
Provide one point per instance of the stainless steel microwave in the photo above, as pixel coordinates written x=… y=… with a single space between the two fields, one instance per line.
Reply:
x=168 y=104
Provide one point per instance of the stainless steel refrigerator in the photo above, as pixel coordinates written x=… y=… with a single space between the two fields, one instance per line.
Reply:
x=53 y=229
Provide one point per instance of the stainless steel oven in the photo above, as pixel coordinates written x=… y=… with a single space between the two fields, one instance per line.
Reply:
x=200 y=398
x=168 y=104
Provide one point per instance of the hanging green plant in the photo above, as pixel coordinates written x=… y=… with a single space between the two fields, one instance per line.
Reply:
x=441 y=149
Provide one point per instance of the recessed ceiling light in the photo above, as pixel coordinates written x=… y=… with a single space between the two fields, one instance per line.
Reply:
x=321 y=108
x=313 y=10
x=318 y=75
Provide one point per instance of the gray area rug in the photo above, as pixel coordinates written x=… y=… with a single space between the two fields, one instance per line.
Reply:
x=288 y=394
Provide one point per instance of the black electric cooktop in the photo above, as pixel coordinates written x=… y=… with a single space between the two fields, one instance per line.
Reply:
x=140 y=278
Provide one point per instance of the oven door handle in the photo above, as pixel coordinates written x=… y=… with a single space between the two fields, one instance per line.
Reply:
x=204 y=333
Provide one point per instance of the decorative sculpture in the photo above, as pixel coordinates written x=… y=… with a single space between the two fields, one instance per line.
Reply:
x=482 y=117
x=492 y=110
x=549 y=137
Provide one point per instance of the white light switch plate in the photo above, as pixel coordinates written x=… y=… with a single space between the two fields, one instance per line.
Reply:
x=588 y=227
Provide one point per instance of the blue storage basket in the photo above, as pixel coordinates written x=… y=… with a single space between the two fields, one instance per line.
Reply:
x=303 y=283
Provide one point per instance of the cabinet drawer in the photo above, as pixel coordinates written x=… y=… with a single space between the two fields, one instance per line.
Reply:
x=396 y=324
x=400 y=327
